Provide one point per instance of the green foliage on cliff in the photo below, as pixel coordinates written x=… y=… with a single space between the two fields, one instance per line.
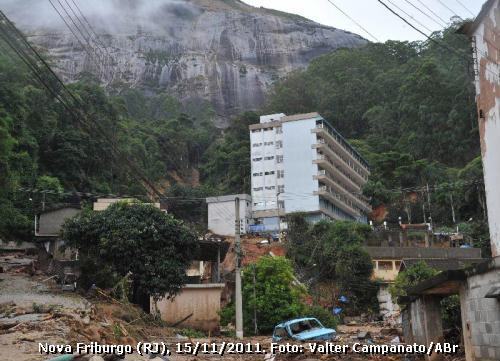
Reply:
x=44 y=147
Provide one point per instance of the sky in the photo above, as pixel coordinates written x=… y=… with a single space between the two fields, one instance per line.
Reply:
x=376 y=19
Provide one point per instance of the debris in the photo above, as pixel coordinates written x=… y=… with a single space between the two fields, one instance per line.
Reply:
x=396 y=340
x=392 y=331
x=182 y=320
x=363 y=335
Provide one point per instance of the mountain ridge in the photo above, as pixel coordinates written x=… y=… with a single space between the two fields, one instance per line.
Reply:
x=223 y=52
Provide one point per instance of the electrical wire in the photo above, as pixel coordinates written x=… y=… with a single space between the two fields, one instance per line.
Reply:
x=80 y=112
x=432 y=12
x=465 y=7
x=354 y=21
x=411 y=17
x=447 y=7
x=442 y=45
x=426 y=15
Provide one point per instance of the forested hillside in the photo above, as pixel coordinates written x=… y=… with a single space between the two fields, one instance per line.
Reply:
x=408 y=107
x=43 y=146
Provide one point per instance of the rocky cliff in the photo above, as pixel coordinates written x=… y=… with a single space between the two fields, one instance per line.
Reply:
x=223 y=51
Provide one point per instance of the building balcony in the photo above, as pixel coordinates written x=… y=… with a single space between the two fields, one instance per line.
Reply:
x=325 y=163
x=327 y=179
x=343 y=166
x=333 y=140
x=337 y=199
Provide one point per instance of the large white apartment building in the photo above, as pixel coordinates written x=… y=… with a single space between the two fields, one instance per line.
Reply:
x=300 y=163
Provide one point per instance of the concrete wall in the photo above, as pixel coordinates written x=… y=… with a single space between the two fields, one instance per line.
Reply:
x=486 y=40
x=422 y=322
x=299 y=167
x=264 y=153
x=201 y=300
x=221 y=214
x=50 y=223
x=421 y=252
x=481 y=316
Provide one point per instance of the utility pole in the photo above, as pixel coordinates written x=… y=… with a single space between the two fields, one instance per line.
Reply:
x=239 y=303
x=452 y=209
x=254 y=303
x=429 y=203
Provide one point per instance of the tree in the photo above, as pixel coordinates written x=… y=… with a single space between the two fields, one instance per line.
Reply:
x=132 y=237
x=332 y=252
x=410 y=277
x=270 y=292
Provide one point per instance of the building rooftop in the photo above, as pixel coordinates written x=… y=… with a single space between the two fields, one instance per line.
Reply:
x=229 y=197
x=441 y=264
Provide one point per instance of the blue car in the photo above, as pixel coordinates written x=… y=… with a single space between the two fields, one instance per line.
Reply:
x=303 y=329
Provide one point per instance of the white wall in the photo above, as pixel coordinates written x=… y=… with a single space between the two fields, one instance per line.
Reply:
x=263 y=145
x=221 y=217
x=299 y=167
x=488 y=98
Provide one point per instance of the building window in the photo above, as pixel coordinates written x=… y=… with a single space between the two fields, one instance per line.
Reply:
x=269 y=158
x=256 y=130
x=256 y=145
x=268 y=143
x=279 y=159
x=256 y=159
x=279 y=144
x=279 y=130
x=268 y=129
x=281 y=173
x=257 y=174
x=385 y=265
x=258 y=189
x=281 y=204
x=281 y=188
x=269 y=173
x=270 y=188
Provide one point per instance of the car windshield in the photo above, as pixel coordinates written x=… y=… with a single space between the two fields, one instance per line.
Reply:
x=304 y=325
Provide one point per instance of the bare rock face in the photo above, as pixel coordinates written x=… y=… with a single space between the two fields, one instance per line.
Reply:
x=223 y=51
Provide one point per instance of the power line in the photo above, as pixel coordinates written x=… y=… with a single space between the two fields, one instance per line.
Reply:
x=90 y=27
x=354 y=21
x=442 y=45
x=432 y=12
x=80 y=112
x=411 y=17
x=465 y=7
x=447 y=7
x=427 y=15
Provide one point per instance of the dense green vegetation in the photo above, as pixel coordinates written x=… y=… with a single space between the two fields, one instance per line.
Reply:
x=124 y=241
x=333 y=253
x=409 y=109
x=410 y=277
x=45 y=147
